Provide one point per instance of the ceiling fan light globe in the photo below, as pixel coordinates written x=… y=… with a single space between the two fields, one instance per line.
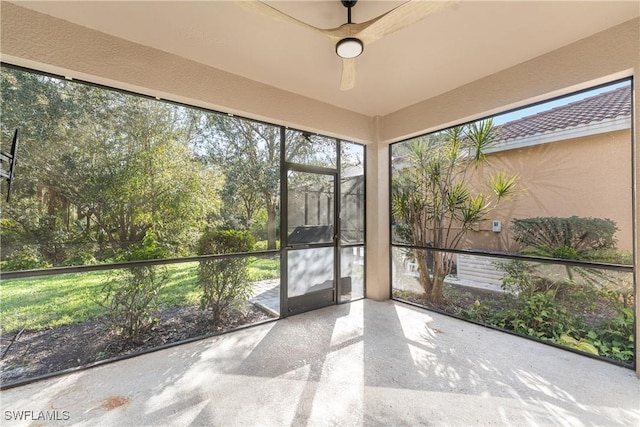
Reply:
x=349 y=47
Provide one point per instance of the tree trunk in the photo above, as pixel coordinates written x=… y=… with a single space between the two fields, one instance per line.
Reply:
x=440 y=271
x=423 y=271
x=271 y=226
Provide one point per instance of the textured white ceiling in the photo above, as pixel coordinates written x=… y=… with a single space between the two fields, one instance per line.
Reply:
x=456 y=45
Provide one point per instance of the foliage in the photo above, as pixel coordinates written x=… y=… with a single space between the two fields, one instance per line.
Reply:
x=565 y=238
x=29 y=258
x=616 y=338
x=575 y=238
x=611 y=256
x=432 y=202
x=574 y=295
x=541 y=302
x=80 y=258
x=149 y=248
x=225 y=282
x=132 y=297
x=249 y=153
x=103 y=168
x=262 y=245
x=581 y=345
x=258 y=226
x=27 y=223
x=542 y=297
x=526 y=279
x=478 y=312
x=530 y=306
x=540 y=316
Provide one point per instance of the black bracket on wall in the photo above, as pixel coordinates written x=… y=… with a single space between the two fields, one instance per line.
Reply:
x=9 y=171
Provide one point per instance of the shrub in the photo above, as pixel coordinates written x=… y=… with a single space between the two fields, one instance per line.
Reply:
x=28 y=258
x=258 y=226
x=148 y=249
x=540 y=316
x=225 y=282
x=565 y=238
x=131 y=296
x=478 y=312
x=581 y=345
x=551 y=306
x=611 y=256
x=80 y=258
x=615 y=339
x=263 y=245
x=524 y=280
x=556 y=310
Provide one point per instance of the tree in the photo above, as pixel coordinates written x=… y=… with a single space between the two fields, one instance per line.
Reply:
x=101 y=166
x=38 y=214
x=433 y=203
x=249 y=155
x=135 y=171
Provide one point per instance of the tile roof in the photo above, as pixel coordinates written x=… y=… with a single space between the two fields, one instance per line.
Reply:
x=597 y=108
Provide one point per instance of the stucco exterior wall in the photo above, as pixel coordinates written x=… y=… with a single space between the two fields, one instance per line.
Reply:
x=586 y=177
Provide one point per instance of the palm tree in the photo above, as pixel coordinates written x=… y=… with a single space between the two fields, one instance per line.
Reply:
x=432 y=201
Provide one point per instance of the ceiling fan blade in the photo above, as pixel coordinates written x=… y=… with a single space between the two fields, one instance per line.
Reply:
x=402 y=16
x=264 y=9
x=348 y=74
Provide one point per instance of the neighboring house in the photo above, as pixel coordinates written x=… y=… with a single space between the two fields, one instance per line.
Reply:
x=575 y=159
x=571 y=160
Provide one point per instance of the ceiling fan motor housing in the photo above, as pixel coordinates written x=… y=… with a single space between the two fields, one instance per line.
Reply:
x=349 y=47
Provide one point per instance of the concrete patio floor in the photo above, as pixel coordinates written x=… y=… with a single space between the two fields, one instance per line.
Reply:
x=363 y=364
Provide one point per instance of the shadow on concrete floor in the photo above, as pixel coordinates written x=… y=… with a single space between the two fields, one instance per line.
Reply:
x=364 y=363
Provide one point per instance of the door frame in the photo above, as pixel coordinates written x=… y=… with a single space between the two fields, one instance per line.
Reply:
x=322 y=298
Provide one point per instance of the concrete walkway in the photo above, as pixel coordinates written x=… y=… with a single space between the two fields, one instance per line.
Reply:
x=361 y=364
x=266 y=294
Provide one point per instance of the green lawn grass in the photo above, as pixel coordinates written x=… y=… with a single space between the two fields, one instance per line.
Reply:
x=42 y=302
x=264 y=268
x=48 y=301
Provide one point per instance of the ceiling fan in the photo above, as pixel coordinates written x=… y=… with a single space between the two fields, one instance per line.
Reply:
x=351 y=38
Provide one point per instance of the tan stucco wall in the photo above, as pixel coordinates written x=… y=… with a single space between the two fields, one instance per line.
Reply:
x=586 y=177
x=34 y=40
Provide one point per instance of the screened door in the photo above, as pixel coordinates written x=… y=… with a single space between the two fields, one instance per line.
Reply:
x=311 y=242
